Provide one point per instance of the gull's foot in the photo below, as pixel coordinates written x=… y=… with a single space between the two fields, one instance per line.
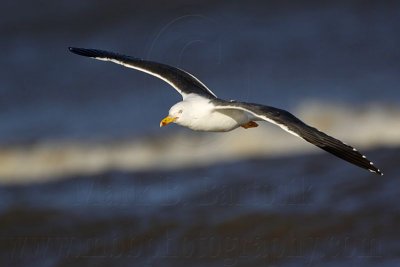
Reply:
x=250 y=124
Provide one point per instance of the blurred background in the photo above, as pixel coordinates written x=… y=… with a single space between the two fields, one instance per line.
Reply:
x=88 y=178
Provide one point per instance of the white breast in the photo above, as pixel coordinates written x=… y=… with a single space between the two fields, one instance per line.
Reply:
x=216 y=121
x=222 y=122
x=199 y=115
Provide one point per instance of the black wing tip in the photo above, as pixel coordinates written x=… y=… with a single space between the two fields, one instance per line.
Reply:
x=372 y=168
x=84 y=52
x=376 y=170
x=339 y=149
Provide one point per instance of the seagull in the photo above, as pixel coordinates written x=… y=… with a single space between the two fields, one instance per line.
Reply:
x=201 y=110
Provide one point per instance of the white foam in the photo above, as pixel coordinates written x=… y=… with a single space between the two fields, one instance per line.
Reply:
x=169 y=149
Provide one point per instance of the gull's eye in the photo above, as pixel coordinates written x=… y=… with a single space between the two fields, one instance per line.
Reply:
x=180 y=111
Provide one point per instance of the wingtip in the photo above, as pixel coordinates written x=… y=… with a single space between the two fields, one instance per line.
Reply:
x=376 y=171
x=83 y=51
x=75 y=50
x=72 y=49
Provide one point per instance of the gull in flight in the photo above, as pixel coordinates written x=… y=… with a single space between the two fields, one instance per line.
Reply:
x=201 y=110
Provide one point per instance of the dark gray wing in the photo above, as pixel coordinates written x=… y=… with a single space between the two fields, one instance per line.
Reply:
x=184 y=82
x=295 y=126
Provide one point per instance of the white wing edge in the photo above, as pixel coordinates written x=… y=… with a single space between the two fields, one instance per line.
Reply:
x=264 y=118
x=284 y=127
x=200 y=82
x=145 y=71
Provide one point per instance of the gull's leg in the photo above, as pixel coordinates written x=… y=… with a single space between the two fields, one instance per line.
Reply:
x=250 y=124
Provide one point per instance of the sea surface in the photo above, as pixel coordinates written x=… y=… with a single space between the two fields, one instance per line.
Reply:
x=87 y=177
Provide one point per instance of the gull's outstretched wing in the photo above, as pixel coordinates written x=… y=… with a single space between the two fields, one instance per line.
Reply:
x=184 y=82
x=295 y=126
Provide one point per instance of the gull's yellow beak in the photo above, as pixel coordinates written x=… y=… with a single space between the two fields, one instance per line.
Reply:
x=167 y=120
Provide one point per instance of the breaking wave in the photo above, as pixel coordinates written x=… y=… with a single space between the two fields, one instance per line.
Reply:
x=363 y=127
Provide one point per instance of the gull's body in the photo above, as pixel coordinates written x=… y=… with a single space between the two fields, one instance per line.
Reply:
x=201 y=110
x=201 y=115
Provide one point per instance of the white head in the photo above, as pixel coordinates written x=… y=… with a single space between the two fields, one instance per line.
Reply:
x=178 y=114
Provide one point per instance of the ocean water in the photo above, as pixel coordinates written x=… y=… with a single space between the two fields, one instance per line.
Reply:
x=255 y=212
x=336 y=67
x=88 y=177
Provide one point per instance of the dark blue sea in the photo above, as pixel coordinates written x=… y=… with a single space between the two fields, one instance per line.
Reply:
x=87 y=177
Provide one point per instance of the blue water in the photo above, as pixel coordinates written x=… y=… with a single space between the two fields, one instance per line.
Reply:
x=276 y=54
x=255 y=212
x=304 y=210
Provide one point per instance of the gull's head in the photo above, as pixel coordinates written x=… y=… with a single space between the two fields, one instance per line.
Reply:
x=176 y=115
